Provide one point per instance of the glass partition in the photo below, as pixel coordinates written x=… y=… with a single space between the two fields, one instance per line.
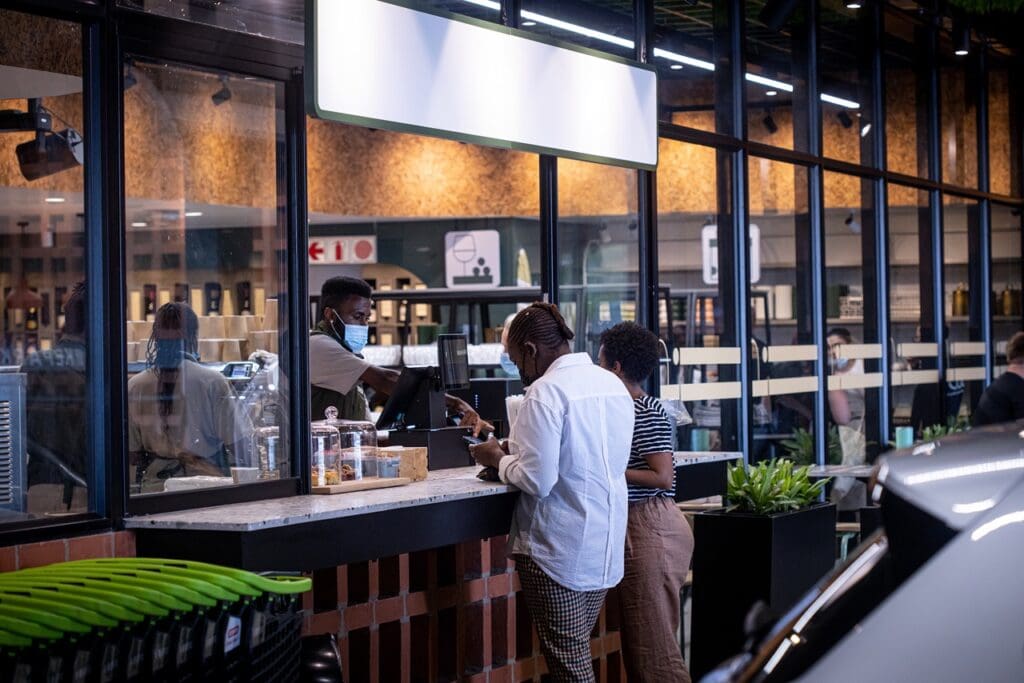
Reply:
x=597 y=248
x=47 y=467
x=606 y=25
x=852 y=318
x=782 y=348
x=694 y=320
x=965 y=348
x=1007 y=279
x=906 y=94
x=776 y=74
x=684 y=53
x=846 y=40
x=958 y=98
x=205 y=278
x=1003 y=135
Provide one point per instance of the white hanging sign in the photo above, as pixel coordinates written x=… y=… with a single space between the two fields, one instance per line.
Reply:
x=383 y=65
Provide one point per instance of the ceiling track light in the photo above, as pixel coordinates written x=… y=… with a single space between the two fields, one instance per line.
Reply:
x=222 y=95
x=769 y=122
x=844 y=118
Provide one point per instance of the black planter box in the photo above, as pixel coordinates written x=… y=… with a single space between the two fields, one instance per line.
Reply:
x=741 y=558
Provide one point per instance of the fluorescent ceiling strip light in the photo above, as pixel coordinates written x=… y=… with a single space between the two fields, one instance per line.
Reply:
x=489 y=4
x=754 y=78
x=683 y=59
x=575 y=28
x=832 y=99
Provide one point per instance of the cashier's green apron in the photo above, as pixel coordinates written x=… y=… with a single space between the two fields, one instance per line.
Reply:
x=351 y=406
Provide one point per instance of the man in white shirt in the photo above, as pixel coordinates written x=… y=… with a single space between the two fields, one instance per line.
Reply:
x=567 y=453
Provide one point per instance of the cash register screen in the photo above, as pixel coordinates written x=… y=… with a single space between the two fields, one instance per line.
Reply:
x=453 y=359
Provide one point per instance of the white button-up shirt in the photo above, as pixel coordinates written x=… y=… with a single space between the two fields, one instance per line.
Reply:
x=568 y=452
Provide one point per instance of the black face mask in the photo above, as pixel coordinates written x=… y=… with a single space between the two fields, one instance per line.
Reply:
x=169 y=353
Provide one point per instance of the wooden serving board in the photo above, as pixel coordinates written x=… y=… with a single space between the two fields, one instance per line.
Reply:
x=361 y=485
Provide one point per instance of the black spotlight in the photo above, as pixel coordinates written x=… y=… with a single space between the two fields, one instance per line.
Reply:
x=769 y=123
x=222 y=95
x=844 y=119
x=129 y=75
x=49 y=153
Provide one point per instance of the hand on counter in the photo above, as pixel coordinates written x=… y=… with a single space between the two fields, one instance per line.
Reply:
x=489 y=453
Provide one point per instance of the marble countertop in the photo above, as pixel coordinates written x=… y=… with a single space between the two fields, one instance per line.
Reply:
x=440 y=486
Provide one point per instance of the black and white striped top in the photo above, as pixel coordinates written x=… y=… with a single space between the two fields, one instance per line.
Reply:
x=652 y=433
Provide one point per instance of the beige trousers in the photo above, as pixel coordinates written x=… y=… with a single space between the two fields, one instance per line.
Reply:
x=659 y=545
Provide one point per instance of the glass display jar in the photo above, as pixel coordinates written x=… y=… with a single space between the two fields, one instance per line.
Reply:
x=326 y=444
x=267 y=447
x=357 y=455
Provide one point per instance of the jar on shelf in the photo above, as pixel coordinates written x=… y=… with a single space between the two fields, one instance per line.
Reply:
x=326 y=444
x=269 y=459
x=357 y=446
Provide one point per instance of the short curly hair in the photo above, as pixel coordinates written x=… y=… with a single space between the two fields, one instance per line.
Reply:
x=635 y=348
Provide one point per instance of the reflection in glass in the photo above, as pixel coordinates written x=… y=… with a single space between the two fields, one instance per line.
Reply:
x=845 y=51
x=684 y=55
x=598 y=259
x=44 y=404
x=690 y=217
x=205 y=276
x=906 y=95
x=605 y=25
x=1007 y=279
x=782 y=317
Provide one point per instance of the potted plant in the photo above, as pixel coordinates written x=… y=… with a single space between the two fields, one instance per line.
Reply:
x=772 y=543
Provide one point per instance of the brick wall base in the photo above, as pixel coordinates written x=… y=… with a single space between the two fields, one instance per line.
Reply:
x=109 y=544
x=447 y=614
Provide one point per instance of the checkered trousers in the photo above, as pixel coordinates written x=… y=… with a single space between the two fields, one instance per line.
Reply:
x=564 y=619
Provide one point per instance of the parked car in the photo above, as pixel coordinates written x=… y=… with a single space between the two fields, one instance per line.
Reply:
x=936 y=594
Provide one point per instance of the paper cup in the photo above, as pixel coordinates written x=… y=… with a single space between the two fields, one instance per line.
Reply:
x=231 y=350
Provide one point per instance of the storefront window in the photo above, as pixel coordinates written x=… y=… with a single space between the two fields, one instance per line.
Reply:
x=429 y=214
x=851 y=316
x=958 y=97
x=783 y=319
x=1007 y=277
x=775 y=81
x=1003 y=135
x=44 y=406
x=845 y=47
x=278 y=20
x=965 y=348
x=205 y=278
x=695 y=321
x=685 y=56
x=916 y=398
x=906 y=95
x=605 y=25
x=598 y=259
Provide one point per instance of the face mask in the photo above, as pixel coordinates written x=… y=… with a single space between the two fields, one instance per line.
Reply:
x=510 y=368
x=840 y=363
x=169 y=353
x=355 y=336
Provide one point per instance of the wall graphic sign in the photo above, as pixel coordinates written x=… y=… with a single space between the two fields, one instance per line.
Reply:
x=472 y=258
x=381 y=64
x=709 y=251
x=352 y=249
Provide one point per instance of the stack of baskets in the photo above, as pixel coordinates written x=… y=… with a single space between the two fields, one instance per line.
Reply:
x=138 y=619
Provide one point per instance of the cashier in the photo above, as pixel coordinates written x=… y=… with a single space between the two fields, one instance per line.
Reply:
x=337 y=369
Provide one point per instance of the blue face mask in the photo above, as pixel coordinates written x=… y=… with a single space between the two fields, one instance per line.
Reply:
x=510 y=368
x=355 y=336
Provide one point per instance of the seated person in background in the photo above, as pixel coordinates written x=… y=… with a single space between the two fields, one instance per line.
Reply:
x=1003 y=400
x=56 y=416
x=847 y=409
x=336 y=366
x=659 y=542
x=183 y=418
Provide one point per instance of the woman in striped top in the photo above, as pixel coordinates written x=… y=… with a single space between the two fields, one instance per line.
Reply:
x=659 y=542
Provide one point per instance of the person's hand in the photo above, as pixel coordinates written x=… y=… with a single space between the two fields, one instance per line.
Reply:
x=489 y=453
x=472 y=420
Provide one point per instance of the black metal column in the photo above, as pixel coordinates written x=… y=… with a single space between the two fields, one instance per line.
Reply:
x=510 y=12
x=935 y=212
x=647 y=227
x=549 y=228
x=983 y=240
x=297 y=226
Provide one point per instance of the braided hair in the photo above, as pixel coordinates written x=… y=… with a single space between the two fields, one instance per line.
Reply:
x=542 y=324
x=172 y=316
